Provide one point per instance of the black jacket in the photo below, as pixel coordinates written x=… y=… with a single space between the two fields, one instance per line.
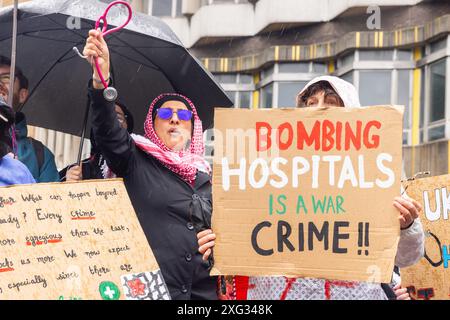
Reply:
x=164 y=204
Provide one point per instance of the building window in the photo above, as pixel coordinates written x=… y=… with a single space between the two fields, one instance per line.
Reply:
x=437 y=91
x=438 y=45
x=347 y=77
x=287 y=93
x=293 y=67
x=166 y=8
x=226 y=78
x=267 y=72
x=162 y=8
x=245 y=78
x=321 y=68
x=404 y=95
x=376 y=55
x=375 y=87
x=267 y=96
x=232 y=96
x=404 y=55
x=245 y=99
x=436 y=133
x=346 y=60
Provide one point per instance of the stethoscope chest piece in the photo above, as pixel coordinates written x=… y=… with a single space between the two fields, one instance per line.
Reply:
x=110 y=94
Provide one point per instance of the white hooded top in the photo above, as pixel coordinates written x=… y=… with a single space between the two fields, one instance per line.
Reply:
x=346 y=91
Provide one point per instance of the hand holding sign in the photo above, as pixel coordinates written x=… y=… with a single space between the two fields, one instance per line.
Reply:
x=409 y=210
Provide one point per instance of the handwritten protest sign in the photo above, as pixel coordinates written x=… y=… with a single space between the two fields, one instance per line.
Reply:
x=307 y=192
x=74 y=241
x=430 y=277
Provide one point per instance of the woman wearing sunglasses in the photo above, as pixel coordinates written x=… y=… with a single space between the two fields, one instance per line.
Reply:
x=166 y=177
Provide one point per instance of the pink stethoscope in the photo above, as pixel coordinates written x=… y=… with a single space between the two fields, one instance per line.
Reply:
x=109 y=93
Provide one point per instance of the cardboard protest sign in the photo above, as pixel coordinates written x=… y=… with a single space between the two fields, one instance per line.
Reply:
x=74 y=241
x=430 y=277
x=307 y=192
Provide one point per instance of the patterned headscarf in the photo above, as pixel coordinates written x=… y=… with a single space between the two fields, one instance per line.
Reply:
x=185 y=163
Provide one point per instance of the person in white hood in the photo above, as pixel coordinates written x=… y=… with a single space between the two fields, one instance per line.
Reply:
x=328 y=91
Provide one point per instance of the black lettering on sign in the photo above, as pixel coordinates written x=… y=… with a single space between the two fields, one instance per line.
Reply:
x=11 y=220
x=7 y=242
x=118 y=250
x=23 y=261
x=45 y=259
x=78 y=233
x=79 y=196
x=31 y=198
x=98 y=270
x=55 y=197
x=6 y=264
x=82 y=215
x=106 y=194
x=43 y=239
x=311 y=233
x=71 y=254
x=99 y=231
x=118 y=228
x=126 y=267
x=48 y=216
x=91 y=254
x=36 y=280
x=256 y=247
x=65 y=276
x=284 y=231
x=6 y=201
x=338 y=236
x=320 y=235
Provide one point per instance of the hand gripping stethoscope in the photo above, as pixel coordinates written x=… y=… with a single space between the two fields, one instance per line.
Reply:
x=109 y=93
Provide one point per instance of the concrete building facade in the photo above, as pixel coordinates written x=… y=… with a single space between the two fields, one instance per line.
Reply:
x=264 y=51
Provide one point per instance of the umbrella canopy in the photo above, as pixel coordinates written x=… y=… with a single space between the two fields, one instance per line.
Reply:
x=147 y=59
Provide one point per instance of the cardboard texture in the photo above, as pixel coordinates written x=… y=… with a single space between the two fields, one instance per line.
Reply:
x=274 y=216
x=429 y=279
x=74 y=241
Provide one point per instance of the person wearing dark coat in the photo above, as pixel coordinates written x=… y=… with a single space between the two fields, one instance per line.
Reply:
x=166 y=176
x=96 y=167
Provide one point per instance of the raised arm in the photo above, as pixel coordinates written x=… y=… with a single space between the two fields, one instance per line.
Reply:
x=114 y=142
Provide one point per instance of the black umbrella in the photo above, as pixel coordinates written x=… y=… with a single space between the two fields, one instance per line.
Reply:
x=147 y=59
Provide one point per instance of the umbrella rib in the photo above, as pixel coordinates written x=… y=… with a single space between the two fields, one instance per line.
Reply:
x=45 y=75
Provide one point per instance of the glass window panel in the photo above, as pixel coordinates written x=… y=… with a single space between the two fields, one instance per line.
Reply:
x=179 y=7
x=404 y=55
x=245 y=78
x=422 y=97
x=232 y=96
x=346 y=60
x=348 y=77
x=404 y=85
x=225 y=78
x=267 y=96
x=321 y=68
x=293 y=67
x=436 y=133
x=376 y=55
x=267 y=72
x=438 y=45
x=437 y=91
x=245 y=98
x=375 y=87
x=405 y=137
x=162 y=8
x=287 y=93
